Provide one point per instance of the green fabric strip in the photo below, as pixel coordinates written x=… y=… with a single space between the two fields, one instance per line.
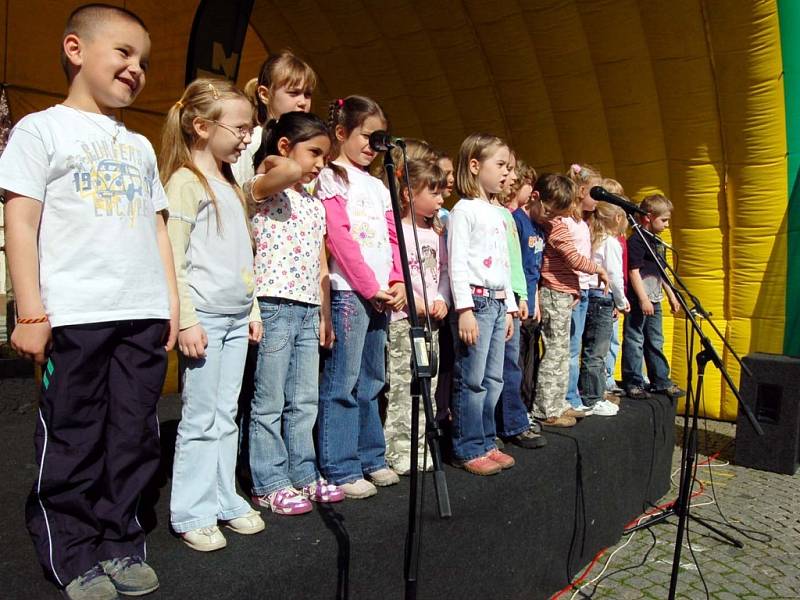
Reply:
x=789 y=16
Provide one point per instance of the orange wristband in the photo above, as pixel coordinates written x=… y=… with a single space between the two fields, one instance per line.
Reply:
x=42 y=319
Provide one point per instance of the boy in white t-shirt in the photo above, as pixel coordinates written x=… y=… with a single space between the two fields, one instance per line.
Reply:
x=92 y=272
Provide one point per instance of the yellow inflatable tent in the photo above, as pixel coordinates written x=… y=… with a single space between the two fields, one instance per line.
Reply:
x=684 y=97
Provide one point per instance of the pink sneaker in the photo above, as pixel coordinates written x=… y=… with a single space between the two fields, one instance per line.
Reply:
x=501 y=458
x=287 y=501
x=322 y=491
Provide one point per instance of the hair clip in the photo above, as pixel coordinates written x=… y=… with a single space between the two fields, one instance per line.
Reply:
x=179 y=104
x=576 y=168
x=399 y=173
x=340 y=103
x=214 y=91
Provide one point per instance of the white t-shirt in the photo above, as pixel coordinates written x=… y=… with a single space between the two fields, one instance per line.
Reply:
x=100 y=191
x=477 y=248
x=243 y=169
x=609 y=255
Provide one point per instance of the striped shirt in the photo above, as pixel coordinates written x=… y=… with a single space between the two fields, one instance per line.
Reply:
x=562 y=260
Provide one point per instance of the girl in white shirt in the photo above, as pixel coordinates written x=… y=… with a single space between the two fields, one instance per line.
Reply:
x=205 y=132
x=606 y=223
x=480 y=280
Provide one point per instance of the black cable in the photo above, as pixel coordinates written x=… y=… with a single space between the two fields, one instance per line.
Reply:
x=696 y=562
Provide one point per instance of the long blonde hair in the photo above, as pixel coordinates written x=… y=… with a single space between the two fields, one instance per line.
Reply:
x=581 y=175
x=604 y=221
x=478 y=146
x=201 y=99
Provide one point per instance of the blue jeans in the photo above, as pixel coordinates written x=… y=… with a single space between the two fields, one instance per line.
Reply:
x=596 y=340
x=203 y=474
x=611 y=357
x=511 y=414
x=350 y=438
x=575 y=336
x=285 y=398
x=642 y=339
x=478 y=380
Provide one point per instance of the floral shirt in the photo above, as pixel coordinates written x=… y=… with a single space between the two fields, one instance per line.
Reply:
x=289 y=229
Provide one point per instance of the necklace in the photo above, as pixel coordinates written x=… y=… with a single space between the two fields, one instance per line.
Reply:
x=117 y=124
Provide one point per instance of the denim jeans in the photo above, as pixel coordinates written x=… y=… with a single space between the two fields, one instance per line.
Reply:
x=511 y=413
x=575 y=337
x=285 y=398
x=478 y=380
x=350 y=438
x=203 y=474
x=611 y=357
x=596 y=340
x=642 y=339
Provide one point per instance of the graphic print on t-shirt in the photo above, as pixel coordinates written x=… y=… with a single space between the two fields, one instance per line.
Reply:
x=111 y=177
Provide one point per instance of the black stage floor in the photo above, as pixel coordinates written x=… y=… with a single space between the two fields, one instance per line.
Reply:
x=520 y=534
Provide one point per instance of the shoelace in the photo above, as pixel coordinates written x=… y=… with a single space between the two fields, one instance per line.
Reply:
x=209 y=531
x=95 y=572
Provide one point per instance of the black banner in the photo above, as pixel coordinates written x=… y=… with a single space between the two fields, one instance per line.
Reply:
x=218 y=32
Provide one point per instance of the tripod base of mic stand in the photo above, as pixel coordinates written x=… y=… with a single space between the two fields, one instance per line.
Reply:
x=673 y=512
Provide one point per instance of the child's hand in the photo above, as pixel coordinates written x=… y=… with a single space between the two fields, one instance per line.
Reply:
x=509 y=326
x=256 y=330
x=674 y=305
x=420 y=306
x=379 y=300
x=647 y=307
x=602 y=274
x=468 y=327
x=32 y=341
x=326 y=335
x=523 y=309
x=173 y=326
x=269 y=163
x=397 y=293
x=537 y=314
x=193 y=341
x=439 y=310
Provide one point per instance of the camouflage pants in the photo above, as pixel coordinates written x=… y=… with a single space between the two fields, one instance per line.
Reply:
x=397 y=428
x=551 y=387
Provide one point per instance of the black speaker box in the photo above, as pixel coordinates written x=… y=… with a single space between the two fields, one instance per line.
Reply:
x=773 y=394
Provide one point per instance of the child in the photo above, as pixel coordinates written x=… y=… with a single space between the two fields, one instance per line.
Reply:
x=205 y=131
x=285 y=84
x=585 y=177
x=366 y=281
x=430 y=270
x=531 y=241
x=559 y=290
x=642 y=337
x=511 y=414
x=96 y=300
x=480 y=280
x=605 y=223
x=291 y=284
x=613 y=391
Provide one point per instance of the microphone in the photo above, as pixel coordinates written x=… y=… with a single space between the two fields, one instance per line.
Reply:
x=380 y=141
x=603 y=195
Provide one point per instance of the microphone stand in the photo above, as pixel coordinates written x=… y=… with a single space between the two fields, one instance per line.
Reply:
x=423 y=368
x=680 y=507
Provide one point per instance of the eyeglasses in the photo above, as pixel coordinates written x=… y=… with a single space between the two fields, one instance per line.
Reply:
x=240 y=132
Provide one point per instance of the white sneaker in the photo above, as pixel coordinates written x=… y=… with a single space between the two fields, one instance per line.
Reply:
x=604 y=408
x=205 y=539
x=383 y=477
x=358 y=489
x=247 y=524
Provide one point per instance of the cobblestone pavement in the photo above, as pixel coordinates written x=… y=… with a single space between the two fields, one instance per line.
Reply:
x=766 y=506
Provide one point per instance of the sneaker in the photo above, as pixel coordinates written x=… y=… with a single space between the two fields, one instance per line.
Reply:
x=528 y=440
x=637 y=393
x=535 y=425
x=131 y=575
x=204 y=539
x=383 y=477
x=672 y=391
x=248 y=524
x=561 y=421
x=613 y=398
x=92 y=585
x=499 y=443
x=501 y=458
x=616 y=390
x=604 y=408
x=358 y=489
x=287 y=501
x=323 y=492
x=482 y=465
x=576 y=414
x=583 y=408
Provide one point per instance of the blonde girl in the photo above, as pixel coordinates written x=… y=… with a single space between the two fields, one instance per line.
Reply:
x=480 y=281
x=205 y=132
x=428 y=271
x=285 y=83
